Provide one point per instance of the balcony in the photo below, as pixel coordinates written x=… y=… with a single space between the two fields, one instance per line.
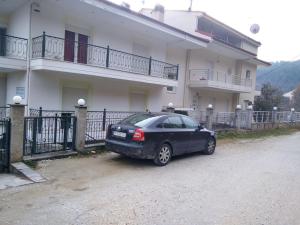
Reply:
x=205 y=78
x=13 y=53
x=93 y=59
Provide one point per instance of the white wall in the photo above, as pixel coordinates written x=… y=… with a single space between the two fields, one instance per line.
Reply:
x=111 y=94
x=2 y=89
x=176 y=56
x=221 y=101
x=18 y=24
x=54 y=21
x=14 y=80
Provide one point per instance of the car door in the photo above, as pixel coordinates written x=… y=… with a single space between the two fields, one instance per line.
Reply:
x=197 y=138
x=176 y=134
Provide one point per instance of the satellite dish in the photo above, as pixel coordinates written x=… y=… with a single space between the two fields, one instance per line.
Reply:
x=254 y=28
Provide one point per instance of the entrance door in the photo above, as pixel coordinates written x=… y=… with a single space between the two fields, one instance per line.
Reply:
x=2 y=41
x=82 y=48
x=70 y=97
x=69 y=46
x=137 y=102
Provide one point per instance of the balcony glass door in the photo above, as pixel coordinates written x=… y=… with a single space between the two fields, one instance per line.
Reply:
x=82 y=48
x=69 y=46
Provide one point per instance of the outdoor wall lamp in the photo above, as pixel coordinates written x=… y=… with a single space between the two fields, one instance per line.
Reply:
x=210 y=106
x=292 y=109
x=250 y=107
x=81 y=102
x=275 y=108
x=238 y=107
x=17 y=100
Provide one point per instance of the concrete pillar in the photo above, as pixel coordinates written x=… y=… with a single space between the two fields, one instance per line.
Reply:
x=237 y=117
x=249 y=118
x=80 y=113
x=16 y=132
x=209 y=117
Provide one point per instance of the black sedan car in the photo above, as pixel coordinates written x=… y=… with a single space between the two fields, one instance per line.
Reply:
x=159 y=136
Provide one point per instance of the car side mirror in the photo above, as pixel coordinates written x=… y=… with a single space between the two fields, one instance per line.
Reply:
x=200 y=127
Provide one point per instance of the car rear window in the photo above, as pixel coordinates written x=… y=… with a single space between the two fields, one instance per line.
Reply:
x=139 y=120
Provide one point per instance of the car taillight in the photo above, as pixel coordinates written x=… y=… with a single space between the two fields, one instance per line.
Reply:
x=139 y=135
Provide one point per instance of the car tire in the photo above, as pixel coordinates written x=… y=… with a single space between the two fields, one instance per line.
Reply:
x=163 y=155
x=210 y=146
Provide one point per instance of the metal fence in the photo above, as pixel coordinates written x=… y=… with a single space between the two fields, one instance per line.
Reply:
x=98 y=121
x=4 y=144
x=49 y=134
x=42 y=112
x=55 y=48
x=4 y=112
x=223 y=120
x=13 y=47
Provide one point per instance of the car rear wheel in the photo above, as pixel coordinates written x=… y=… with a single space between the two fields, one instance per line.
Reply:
x=163 y=155
x=210 y=147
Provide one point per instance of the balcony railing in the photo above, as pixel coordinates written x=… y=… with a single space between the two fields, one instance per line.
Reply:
x=55 y=48
x=13 y=47
x=220 y=78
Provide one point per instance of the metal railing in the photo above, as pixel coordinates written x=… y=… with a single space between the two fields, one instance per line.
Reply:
x=263 y=117
x=13 y=47
x=44 y=112
x=49 y=134
x=4 y=111
x=220 y=77
x=222 y=120
x=55 y=48
x=98 y=122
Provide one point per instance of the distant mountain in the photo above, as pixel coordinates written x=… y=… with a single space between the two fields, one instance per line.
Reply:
x=285 y=75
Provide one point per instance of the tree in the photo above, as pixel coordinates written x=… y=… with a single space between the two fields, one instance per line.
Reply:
x=270 y=96
x=296 y=99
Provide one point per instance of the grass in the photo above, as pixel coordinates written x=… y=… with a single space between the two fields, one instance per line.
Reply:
x=257 y=134
x=31 y=164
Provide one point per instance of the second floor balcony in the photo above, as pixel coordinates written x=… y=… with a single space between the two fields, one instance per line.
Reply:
x=205 y=78
x=64 y=50
x=13 y=53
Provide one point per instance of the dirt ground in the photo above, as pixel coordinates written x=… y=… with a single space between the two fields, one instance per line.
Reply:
x=247 y=182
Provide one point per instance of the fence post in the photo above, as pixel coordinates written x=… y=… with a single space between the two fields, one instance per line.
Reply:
x=107 y=56
x=274 y=116
x=104 y=120
x=16 y=132
x=80 y=113
x=209 y=116
x=250 y=117
x=237 y=117
x=40 y=123
x=43 y=44
x=292 y=120
x=150 y=65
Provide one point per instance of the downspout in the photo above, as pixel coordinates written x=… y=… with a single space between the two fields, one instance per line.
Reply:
x=187 y=76
x=28 y=61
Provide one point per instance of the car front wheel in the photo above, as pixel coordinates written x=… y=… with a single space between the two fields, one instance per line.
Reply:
x=210 y=147
x=163 y=155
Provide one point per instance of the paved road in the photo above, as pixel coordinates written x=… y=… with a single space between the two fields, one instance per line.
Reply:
x=244 y=183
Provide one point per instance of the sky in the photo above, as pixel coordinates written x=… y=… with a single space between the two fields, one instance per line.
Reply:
x=279 y=21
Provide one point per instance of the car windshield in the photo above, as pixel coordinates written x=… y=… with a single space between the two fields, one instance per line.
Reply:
x=139 y=120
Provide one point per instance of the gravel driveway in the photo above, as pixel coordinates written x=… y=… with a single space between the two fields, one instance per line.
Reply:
x=245 y=182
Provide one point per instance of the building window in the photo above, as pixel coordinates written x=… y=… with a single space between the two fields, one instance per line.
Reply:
x=248 y=74
x=171 y=89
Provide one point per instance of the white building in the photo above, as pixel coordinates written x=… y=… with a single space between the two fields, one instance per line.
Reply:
x=54 y=52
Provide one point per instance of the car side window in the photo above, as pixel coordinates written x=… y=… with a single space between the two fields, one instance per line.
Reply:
x=189 y=123
x=173 y=122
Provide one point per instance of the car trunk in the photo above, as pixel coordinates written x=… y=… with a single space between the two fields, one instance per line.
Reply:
x=121 y=132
